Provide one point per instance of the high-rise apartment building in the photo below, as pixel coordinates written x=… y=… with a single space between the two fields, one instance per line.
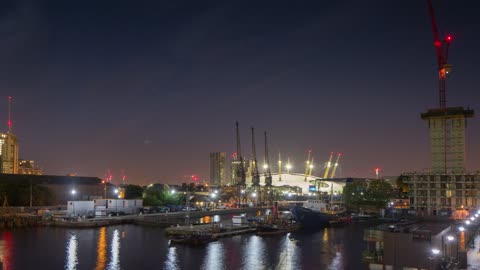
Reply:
x=217 y=168
x=8 y=153
x=447 y=139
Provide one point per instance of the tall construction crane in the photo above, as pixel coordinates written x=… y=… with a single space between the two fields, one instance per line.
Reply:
x=329 y=164
x=9 y=121
x=335 y=166
x=255 y=174
x=279 y=167
x=268 y=174
x=441 y=46
x=307 y=166
x=240 y=181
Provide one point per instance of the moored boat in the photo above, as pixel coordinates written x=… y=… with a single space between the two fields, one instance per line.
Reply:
x=316 y=213
x=192 y=239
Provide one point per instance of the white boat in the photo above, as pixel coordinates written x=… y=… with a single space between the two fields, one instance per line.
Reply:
x=323 y=207
x=239 y=220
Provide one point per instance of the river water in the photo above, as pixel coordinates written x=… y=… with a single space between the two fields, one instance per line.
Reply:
x=142 y=247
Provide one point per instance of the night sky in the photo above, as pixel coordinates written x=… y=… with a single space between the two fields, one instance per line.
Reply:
x=151 y=87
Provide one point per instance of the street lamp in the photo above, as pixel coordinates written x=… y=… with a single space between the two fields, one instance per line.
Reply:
x=172 y=191
x=288 y=167
x=461 y=228
x=472 y=219
x=435 y=251
x=73 y=192
x=450 y=238
x=467 y=222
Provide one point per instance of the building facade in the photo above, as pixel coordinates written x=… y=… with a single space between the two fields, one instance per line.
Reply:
x=439 y=194
x=217 y=168
x=8 y=153
x=447 y=138
x=28 y=167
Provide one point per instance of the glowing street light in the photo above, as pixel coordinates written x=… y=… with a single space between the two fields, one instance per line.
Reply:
x=467 y=222
x=254 y=195
x=74 y=192
x=265 y=166
x=172 y=191
x=213 y=195
x=435 y=251
x=450 y=238
x=461 y=228
x=243 y=191
x=116 y=191
x=472 y=219
x=288 y=167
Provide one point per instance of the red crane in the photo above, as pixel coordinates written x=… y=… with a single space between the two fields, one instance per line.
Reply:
x=441 y=47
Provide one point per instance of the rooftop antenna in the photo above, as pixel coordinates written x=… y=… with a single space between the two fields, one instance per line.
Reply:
x=9 y=121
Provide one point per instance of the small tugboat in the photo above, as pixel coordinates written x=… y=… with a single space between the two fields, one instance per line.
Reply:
x=276 y=224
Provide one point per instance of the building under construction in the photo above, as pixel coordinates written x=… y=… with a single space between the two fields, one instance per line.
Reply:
x=9 y=146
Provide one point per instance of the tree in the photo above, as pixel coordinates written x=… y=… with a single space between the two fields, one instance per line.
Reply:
x=379 y=192
x=352 y=193
x=133 y=192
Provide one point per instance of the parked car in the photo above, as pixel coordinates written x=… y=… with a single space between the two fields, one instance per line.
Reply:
x=221 y=206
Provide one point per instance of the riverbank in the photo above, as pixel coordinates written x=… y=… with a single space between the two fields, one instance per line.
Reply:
x=12 y=221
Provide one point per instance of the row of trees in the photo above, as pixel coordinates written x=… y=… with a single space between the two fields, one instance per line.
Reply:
x=375 y=193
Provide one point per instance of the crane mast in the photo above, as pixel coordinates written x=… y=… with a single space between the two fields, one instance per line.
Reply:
x=255 y=174
x=441 y=47
x=279 y=167
x=240 y=181
x=335 y=166
x=9 y=121
x=329 y=164
x=307 y=166
x=268 y=174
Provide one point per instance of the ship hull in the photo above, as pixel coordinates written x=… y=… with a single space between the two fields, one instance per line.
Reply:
x=310 y=218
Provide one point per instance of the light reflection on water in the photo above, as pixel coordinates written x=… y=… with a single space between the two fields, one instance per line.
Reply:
x=254 y=253
x=102 y=249
x=215 y=259
x=115 y=252
x=171 y=262
x=72 y=253
x=289 y=257
x=6 y=251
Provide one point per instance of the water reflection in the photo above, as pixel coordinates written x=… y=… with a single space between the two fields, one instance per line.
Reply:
x=115 y=252
x=289 y=257
x=102 y=249
x=72 y=253
x=336 y=262
x=6 y=251
x=254 y=253
x=171 y=262
x=215 y=257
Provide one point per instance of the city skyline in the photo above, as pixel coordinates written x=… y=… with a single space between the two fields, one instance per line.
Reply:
x=152 y=89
